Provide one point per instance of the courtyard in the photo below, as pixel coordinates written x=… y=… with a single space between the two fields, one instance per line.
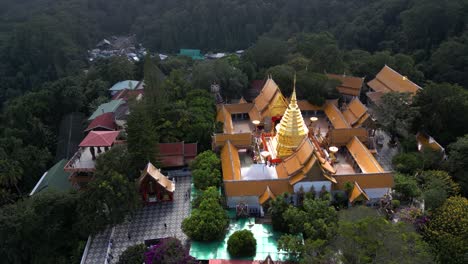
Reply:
x=147 y=223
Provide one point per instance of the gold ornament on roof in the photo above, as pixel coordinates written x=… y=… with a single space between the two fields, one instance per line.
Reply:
x=292 y=129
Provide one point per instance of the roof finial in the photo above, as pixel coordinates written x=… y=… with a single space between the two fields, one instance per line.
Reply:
x=293 y=96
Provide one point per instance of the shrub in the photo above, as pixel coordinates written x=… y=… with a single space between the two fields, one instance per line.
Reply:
x=242 y=244
x=395 y=204
x=169 y=251
x=133 y=255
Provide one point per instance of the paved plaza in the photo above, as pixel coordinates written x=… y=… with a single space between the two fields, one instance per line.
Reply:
x=147 y=223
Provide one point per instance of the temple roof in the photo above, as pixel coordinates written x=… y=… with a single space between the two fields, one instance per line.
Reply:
x=291 y=130
x=354 y=111
x=350 y=85
x=267 y=195
x=357 y=193
x=162 y=180
x=230 y=162
x=388 y=80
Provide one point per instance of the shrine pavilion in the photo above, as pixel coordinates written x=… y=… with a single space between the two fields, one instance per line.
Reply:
x=269 y=147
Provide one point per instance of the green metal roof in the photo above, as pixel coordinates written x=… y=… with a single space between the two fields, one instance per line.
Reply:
x=195 y=54
x=54 y=179
x=263 y=233
x=106 y=108
x=128 y=84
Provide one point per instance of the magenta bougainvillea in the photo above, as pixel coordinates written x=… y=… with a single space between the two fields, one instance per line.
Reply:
x=168 y=250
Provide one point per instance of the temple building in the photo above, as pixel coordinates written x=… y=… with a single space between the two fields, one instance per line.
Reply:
x=273 y=146
x=154 y=186
x=389 y=80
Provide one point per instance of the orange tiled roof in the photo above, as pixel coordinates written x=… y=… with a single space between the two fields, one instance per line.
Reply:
x=366 y=181
x=296 y=161
x=297 y=178
x=230 y=162
x=266 y=95
x=388 y=80
x=239 y=108
x=267 y=195
x=239 y=139
x=363 y=157
x=335 y=116
x=350 y=85
x=425 y=140
x=357 y=193
x=304 y=105
x=354 y=111
x=162 y=180
x=257 y=188
x=224 y=116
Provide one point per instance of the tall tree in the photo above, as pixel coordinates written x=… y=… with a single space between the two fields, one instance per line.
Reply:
x=442 y=108
x=142 y=137
x=457 y=163
x=395 y=114
x=447 y=231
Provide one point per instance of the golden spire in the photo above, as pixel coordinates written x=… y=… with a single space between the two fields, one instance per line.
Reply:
x=292 y=129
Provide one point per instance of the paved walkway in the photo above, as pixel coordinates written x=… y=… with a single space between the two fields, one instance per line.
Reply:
x=147 y=223
x=385 y=153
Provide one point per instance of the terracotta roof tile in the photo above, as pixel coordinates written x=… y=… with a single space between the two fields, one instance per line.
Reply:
x=99 y=139
x=363 y=157
x=267 y=195
x=105 y=121
x=357 y=193
x=257 y=188
x=335 y=116
x=350 y=85
x=367 y=181
x=388 y=80
x=230 y=162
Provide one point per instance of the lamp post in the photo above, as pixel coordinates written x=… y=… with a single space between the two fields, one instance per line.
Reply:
x=333 y=150
x=256 y=123
x=312 y=123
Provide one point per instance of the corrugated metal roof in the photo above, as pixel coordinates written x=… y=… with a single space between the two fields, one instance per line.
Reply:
x=127 y=84
x=111 y=106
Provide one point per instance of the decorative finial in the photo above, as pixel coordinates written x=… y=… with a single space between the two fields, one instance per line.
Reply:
x=293 y=102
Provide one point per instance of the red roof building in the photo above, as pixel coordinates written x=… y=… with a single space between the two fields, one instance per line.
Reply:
x=99 y=139
x=104 y=122
x=176 y=154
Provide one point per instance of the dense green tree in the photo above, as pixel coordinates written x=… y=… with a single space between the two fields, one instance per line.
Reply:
x=242 y=243
x=395 y=114
x=267 y=52
x=449 y=62
x=277 y=207
x=316 y=88
x=442 y=109
x=141 y=138
x=133 y=255
x=231 y=80
x=406 y=186
x=50 y=219
x=437 y=186
x=208 y=222
x=119 y=69
x=322 y=51
x=292 y=244
x=107 y=200
x=206 y=170
x=116 y=159
x=447 y=231
x=374 y=239
x=408 y=163
x=457 y=163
